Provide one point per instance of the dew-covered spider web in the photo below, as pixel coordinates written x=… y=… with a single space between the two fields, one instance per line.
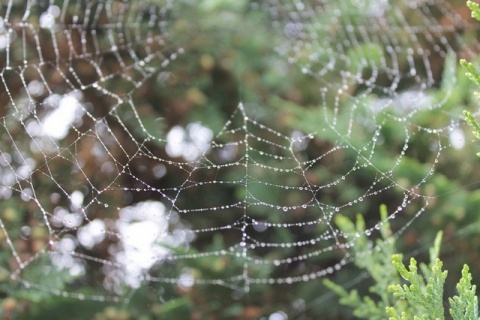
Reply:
x=118 y=172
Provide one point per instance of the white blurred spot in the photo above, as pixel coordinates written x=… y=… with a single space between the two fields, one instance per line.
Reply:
x=260 y=226
x=299 y=140
x=186 y=280
x=457 y=138
x=67 y=244
x=35 y=88
x=175 y=140
x=159 y=171
x=279 y=315
x=91 y=234
x=54 y=11
x=57 y=123
x=3 y=41
x=47 y=19
x=24 y=171
x=144 y=230
x=33 y=128
x=64 y=218
x=62 y=257
x=76 y=199
x=228 y=152
x=189 y=143
x=26 y=194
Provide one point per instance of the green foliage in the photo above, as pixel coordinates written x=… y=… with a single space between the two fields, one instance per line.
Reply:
x=474 y=124
x=421 y=293
x=475 y=9
x=465 y=304
x=376 y=262
x=420 y=298
x=425 y=292
x=472 y=74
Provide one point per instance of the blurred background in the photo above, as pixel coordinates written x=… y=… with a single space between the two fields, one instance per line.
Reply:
x=187 y=160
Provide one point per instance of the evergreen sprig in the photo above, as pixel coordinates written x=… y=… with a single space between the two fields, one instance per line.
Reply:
x=473 y=123
x=472 y=73
x=421 y=298
x=465 y=304
x=426 y=294
x=375 y=261
x=475 y=8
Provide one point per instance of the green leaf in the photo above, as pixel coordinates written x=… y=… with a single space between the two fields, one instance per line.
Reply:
x=426 y=297
x=435 y=250
x=474 y=124
x=472 y=72
x=475 y=9
x=465 y=304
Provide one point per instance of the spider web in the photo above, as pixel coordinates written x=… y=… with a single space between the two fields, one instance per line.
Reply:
x=86 y=168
